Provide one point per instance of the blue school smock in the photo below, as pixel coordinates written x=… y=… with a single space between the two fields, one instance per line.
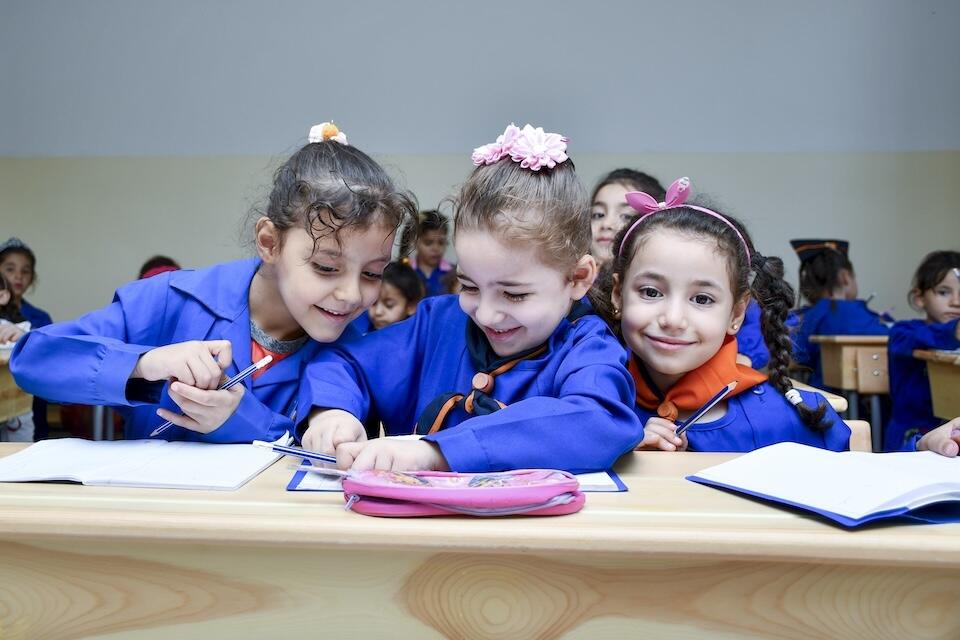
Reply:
x=909 y=386
x=37 y=317
x=89 y=360
x=750 y=338
x=832 y=318
x=363 y=325
x=568 y=408
x=759 y=417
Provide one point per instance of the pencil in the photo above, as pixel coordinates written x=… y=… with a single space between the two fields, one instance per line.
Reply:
x=232 y=382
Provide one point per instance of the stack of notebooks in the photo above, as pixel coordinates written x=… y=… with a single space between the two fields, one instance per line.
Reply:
x=849 y=487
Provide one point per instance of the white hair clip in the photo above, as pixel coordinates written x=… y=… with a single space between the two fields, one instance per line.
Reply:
x=326 y=131
x=793 y=397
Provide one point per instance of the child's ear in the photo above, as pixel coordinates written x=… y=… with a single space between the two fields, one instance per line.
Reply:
x=4 y=296
x=616 y=294
x=917 y=301
x=267 y=238
x=584 y=273
x=737 y=315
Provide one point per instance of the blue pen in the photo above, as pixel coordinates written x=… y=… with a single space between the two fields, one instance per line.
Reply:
x=293 y=451
x=232 y=382
x=703 y=410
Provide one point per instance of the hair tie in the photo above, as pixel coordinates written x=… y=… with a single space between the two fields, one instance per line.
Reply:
x=793 y=397
x=676 y=197
x=326 y=131
x=761 y=262
x=532 y=147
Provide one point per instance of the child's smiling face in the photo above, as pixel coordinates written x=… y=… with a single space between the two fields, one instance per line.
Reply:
x=676 y=303
x=512 y=296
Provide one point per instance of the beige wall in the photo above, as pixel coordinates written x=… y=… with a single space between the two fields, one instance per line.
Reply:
x=92 y=221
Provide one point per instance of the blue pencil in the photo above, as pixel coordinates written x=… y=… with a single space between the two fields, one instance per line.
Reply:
x=232 y=382
x=703 y=410
x=294 y=451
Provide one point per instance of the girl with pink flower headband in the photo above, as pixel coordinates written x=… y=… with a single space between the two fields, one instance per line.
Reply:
x=682 y=277
x=515 y=372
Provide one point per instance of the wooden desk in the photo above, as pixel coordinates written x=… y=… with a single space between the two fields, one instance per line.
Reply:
x=857 y=364
x=943 y=370
x=668 y=559
x=13 y=400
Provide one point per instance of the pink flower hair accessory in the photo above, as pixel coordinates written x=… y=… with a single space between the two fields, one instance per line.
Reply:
x=531 y=146
x=676 y=197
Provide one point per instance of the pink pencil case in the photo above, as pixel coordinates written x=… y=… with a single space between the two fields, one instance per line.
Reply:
x=531 y=492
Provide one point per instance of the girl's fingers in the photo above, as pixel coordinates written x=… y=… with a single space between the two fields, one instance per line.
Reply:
x=181 y=420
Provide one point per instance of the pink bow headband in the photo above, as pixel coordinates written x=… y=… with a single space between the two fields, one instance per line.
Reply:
x=676 y=197
x=531 y=147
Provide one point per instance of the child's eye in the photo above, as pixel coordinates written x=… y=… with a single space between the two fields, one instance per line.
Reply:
x=465 y=288
x=943 y=292
x=515 y=297
x=702 y=298
x=372 y=275
x=597 y=215
x=625 y=217
x=323 y=269
x=649 y=292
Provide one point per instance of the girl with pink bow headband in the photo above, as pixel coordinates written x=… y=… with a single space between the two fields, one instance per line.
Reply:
x=682 y=276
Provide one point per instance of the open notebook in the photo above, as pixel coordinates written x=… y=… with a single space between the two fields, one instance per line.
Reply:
x=323 y=477
x=139 y=463
x=849 y=487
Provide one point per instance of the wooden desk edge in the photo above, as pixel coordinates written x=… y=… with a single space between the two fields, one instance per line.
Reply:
x=946 y=357
x=851 y=340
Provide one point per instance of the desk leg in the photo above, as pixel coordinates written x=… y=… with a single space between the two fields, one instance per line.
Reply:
x=876 y=423
x=98 y=423
x=853 y=410
x=108 y=427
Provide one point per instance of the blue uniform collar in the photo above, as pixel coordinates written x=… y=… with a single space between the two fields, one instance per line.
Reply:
x=224 y=289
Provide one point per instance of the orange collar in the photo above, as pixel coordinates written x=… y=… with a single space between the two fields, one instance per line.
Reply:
x=696 y=387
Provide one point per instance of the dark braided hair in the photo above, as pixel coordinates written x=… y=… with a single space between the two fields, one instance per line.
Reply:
x=774 y=294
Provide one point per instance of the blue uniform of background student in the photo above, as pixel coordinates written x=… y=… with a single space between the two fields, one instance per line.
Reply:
x=161 y=349
x=829 y=284
x=935 y=292
x=19 y=265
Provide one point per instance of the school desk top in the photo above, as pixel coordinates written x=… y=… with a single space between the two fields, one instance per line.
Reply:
x=947 y=357
x=670 y=558
x=850 y=339
x=661 y=514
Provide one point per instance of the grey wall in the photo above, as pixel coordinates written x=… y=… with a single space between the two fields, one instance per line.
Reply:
x=184 y=77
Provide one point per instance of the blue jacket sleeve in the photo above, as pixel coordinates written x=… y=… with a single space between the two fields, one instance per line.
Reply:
x=344 y=375
x=252 y=420
x=90 y=359
x=910 y=335
x=586 y=426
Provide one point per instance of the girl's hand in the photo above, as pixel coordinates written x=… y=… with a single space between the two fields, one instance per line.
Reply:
x=196 y=363
x=330 y=428
x=391 y=455
x=658 y=435
x=944 y=440
x=203 y=410
x=10 y=333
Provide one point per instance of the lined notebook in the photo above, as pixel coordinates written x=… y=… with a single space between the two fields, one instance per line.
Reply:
x=139 y=463
x=849 y=487
x=305 y=479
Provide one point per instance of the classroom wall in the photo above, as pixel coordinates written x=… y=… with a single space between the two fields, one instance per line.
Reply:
x=128 y=129
x=93 y=221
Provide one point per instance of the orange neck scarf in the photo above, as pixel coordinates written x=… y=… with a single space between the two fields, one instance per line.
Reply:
x=696 y=387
